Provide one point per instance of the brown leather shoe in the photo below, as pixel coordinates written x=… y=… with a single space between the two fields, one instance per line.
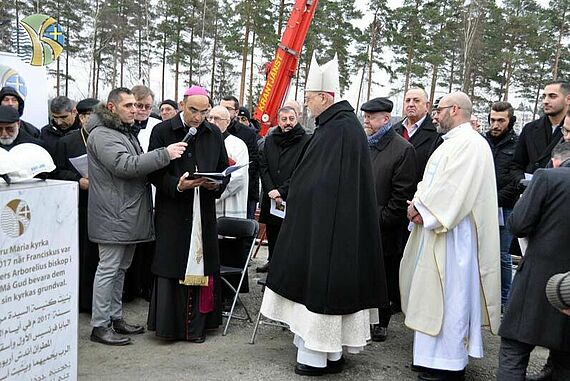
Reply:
x=108 y=336
x=121 y=326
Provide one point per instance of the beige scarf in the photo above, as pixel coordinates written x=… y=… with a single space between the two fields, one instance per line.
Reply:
x=194 y=274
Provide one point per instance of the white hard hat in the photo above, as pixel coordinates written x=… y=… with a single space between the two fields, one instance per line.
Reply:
x=27 y=160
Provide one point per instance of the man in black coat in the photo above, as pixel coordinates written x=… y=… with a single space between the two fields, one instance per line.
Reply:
x=277 y=159
x=503 y=140
x=11 y=132
x=64 y=120
x=327 y=270
x=417 y=128
x=539 y=137
x=530 y=320
x=393 y=167
x=10 y=97
x=249 y=136
x=182 y=306
x=69 y=146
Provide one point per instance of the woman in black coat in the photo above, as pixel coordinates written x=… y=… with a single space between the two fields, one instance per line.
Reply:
x=277 y=160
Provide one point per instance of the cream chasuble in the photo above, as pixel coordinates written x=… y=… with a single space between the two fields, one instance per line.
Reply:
x=457 y=199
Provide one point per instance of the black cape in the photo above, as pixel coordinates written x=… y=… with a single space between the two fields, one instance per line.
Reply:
x=328 y=255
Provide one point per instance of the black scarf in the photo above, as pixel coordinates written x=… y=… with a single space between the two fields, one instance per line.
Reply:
x=286 y=139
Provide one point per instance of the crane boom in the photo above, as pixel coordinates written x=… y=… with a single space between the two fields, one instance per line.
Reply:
x=283 y=67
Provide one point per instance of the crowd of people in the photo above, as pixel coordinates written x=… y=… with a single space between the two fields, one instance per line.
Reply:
x=419 y=216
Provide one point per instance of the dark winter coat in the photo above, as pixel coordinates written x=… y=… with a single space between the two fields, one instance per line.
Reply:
x=424 y=142
x=120 y=201
x=393 y=167
x=328 y=255
x=541 y=215
x=507 y=173
x=50 y=134
x=249 y=137
x=173 y=209
x=26 y=126
x=277 y=159
x=535 y=144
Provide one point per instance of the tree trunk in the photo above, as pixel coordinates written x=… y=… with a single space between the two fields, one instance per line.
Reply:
x=244 y=52
x=164 y=59
x=509 y=74
x=410 y=56
x=433 y=83
x=122 y=64
x=280 y=18
x=251 y=65
x=555 y=68
x=371 y=56
x=190 y=69
x=68 y=42
x=177 y=57
x=214 y=50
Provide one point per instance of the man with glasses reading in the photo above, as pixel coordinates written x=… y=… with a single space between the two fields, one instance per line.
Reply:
x=185 y=297
x=451 y=267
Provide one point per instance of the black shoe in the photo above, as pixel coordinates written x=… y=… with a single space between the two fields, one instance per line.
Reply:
x=307 y=370
x=545 y=374
x=121 y=326
x=197 y=340
x=106 y=335
x=379 y=333
x=334 y=367
x=442 y=375
x=263 y=269
x=418 y=368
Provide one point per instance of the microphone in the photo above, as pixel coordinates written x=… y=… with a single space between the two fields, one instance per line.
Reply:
x=191 y=133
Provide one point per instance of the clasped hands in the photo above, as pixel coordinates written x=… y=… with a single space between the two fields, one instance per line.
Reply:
x=184 y=183
x=413 y=214
x=275 y=195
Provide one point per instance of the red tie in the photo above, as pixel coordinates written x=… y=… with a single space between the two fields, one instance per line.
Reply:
x=405 y=133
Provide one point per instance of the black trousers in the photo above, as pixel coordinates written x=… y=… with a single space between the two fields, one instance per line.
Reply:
x=392 y=267
x=514 y=356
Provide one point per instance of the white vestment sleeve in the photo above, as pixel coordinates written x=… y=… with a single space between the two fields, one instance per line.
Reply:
x=430 y=222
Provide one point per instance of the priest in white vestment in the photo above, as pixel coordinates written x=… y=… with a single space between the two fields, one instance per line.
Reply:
x=450 y=277
x=233 y=202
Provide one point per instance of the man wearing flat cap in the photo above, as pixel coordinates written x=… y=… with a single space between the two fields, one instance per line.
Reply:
x=10 y=133
x=393 y=168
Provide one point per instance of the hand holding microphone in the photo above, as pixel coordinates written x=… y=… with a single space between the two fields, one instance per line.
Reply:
x=175 y=150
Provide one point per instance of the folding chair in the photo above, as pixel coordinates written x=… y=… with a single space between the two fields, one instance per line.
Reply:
x=244 y=230
x=264 y=321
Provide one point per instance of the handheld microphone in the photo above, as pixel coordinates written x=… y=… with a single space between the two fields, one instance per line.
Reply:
x=191 y=133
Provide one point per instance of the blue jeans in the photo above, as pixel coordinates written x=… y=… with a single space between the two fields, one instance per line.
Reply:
x=506 y=260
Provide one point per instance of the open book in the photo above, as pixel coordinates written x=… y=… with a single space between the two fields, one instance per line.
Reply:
x=219 y=176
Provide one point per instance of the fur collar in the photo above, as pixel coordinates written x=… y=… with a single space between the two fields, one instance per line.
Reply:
x=102 y=117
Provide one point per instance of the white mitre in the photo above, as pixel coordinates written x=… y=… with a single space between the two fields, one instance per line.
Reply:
x=323 y=78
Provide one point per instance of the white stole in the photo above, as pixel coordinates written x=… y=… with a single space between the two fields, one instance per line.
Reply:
x=194 y=274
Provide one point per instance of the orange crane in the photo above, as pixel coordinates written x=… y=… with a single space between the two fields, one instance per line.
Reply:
x=282 y=69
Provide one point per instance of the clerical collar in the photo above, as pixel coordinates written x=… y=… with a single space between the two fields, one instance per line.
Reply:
x=141 y=124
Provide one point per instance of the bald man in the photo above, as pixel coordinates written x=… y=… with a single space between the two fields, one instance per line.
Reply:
x=185 y=297
x=450 y=274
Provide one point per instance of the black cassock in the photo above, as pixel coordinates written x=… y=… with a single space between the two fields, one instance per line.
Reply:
x=328 y=255
x=174 y=310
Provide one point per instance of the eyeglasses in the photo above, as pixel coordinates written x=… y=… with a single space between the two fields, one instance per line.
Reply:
x=243 y=119
x=142 y=106
x=202 y=113
x=564 y=131
x=9 y=130
x=311 y=96
x=215 y=118
x=439 y=109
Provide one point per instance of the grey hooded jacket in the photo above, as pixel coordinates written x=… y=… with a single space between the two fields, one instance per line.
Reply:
x=120 y=204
